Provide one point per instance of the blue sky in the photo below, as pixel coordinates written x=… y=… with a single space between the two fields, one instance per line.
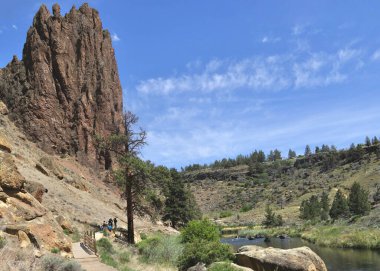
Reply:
x=216 y=78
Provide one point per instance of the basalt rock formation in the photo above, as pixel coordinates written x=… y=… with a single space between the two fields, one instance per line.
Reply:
x=66 y=88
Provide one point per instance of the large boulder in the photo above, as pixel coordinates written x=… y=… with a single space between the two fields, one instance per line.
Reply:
x=10 y=177
x=3 y=109
x=23 y=239
x=64 y=223
x=37 y=190
x=5 y=146
x=50 y=164
x=275 y=259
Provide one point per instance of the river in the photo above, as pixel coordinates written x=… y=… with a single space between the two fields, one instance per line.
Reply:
x=336 y=259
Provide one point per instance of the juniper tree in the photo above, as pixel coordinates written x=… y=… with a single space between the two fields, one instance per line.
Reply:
x=180 y=205
x=310 y=209
x=375 y=141
x=339 y=208
x=358 y=200
x=367 y=141
x=324 y=206
x=271 y=218
x=307 y=150
x=291 y=154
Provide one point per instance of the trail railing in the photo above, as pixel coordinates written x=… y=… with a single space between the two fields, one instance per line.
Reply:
x=89 y=241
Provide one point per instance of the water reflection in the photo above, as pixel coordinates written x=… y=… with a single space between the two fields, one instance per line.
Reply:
x=336 y=259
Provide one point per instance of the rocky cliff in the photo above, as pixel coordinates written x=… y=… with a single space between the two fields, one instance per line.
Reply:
x=66 y=88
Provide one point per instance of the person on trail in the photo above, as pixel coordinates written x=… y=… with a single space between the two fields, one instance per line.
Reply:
x=115 y=222
x=110 y=222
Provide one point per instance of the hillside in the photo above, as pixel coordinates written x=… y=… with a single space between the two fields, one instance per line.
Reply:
x=79 y=194
x=242 y=192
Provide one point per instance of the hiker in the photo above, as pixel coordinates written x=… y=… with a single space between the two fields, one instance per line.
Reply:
x=115 y=222
x=110 y=222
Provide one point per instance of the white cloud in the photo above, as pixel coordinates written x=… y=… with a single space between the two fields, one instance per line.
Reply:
x=275 y=72
x=376 y=55
x=267 y=39
x=14 y=26
x=348 y=54
x=298 y=29
x=115 y=37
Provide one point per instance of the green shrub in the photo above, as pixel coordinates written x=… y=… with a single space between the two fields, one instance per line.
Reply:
x=224 y=214
x=55 y=250
x=56 y=263
x=143 y=236
x=107 y=259
x=246 y=208
x=221 y=267
x=52 y=263
x=75 y=236
x=71 y=266
x=206 y=252
x=123 y=257
x=200 y=230
x=3 y=242
x=104 y=245
x=161 y=249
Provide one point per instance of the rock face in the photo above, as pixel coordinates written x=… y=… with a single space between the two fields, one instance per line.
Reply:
x=23 y=215
x=271 y=259
x=66 y=88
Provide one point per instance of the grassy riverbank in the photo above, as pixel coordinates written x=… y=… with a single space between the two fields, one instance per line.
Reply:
x=343 y=236
x=324 y=235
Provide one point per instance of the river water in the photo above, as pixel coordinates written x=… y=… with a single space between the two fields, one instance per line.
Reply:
x=336 y=259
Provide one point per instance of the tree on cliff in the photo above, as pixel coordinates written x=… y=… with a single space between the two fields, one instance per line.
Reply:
x=133 y=174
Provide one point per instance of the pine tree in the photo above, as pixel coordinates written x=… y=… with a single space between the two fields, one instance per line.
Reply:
x=261 y=157
x=326 y=148
x=271 y=156
x=367 y=141
x=325 y=206
x=339 y=208
x=375 y=141
x=291 y=154
x=277 y=155
x=269 y=217
x=307 y=150
x=358 y=200
x=310 y=209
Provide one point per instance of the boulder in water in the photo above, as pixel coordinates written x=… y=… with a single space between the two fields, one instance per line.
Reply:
x=271 y=259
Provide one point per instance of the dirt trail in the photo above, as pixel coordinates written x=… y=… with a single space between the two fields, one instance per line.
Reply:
x=88 y=260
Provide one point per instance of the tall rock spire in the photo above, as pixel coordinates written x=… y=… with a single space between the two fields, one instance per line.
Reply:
x=66 y=88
